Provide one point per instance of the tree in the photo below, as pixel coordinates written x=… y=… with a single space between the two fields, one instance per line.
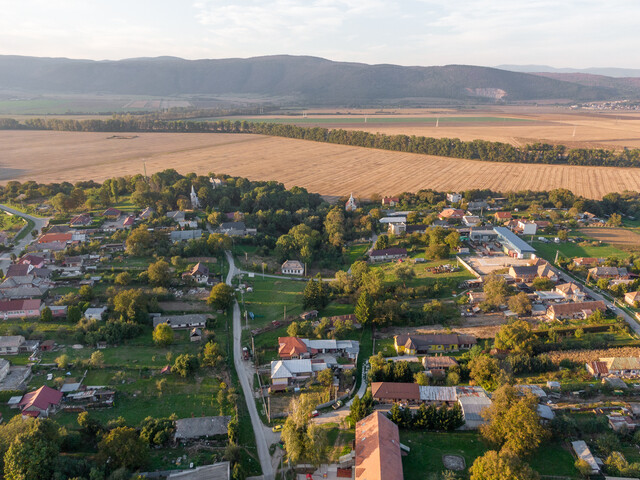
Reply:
x=90 y=426
x=500 y=466
x=520 y=304
x=218 y=242
x=74 y=314
x=123 y=279
x=364 y=308
x=453 y=240
x=303 y=443
x=563 y=235
x=185 y=364
x=513 y=422
x=46 y=315
x=615 y=220
x=315 y=294
x=221 y=296
x=484 y=370
x=33 y=453
x=163 y=335
x=543 y=284
x=138 y=241
x=131 y=305
x=360 y=407
x=515 y=336
x=123 y=447
x=86 y=293
x=159 y=273
x=421 y=378
x=212 y=355
x=97 y=359
x=382 y=242
x=496 y=290
x=62 y=361
x=404 y=272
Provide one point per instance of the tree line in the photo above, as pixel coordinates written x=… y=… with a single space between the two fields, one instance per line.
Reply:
x=446 y=147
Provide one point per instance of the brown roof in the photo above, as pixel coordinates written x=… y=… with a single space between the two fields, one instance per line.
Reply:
x=55 y=237
x=418 y=341
x=568 y=288
x=571 y=308
x=290 y=346
x=42 y=398
x=439 y=362
x=503 y=215
x=388 y=251
x=599 y=368
x=378 y=455
x=24 y=304
x=451 y=212
x=395 y=391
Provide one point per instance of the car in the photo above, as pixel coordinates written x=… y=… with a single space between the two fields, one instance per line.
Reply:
x=337 y=405
x=314 y=414
x=277 y=428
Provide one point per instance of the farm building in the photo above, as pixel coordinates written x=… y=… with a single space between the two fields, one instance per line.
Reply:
x=94 y=313
x=472 y=407
x=195 y=335
x=440 y=342
x=583 y=453
x=513 y=245
x=387 y=255
x=438 y=364
x=628 y=367
x=181 y=322
x=378 y=455
x=292 y=267
x=574 y=310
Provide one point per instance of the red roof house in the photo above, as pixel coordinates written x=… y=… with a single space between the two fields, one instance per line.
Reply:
x=451 y=213
x=20 y=308
x=292 y=347
x=378 y=455
x=55 y=237
x=40 y=403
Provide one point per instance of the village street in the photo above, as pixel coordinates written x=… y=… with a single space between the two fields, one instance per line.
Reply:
x=40 y=223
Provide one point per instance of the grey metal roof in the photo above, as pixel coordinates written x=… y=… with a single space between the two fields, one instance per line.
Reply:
x=197 y=427
x=513 y=239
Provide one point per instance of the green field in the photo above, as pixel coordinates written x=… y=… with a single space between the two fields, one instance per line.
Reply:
x=422 y=275
x=427 y=449
x=270 y=297
x=570 y=250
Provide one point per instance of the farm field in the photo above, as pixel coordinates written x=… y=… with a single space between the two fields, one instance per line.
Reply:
x=615 y=236
x=47 y=156
x=570 y=250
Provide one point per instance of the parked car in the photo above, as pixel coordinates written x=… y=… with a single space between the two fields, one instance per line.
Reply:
x=337 y=405
x=277 y=428
x=314 y=414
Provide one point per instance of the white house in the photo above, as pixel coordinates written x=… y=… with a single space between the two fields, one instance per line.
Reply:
x=527 y=227
x=292 y=267
x=454 y=197
x=94 y=313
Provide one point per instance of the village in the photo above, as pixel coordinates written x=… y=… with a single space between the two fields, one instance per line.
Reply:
x=377 y=338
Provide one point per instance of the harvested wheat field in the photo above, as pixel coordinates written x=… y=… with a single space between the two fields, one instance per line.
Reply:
x=614 y=236
x=332 y=170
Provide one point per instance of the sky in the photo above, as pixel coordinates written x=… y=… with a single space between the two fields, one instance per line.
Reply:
x=569 y=33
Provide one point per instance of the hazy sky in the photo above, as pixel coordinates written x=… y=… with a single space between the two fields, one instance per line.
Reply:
x=569 y=33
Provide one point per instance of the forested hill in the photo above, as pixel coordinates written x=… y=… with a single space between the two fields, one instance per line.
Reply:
x=308 y=79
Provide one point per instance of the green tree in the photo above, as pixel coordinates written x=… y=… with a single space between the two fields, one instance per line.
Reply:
x=123 y=447
x=74 y=314
x=221 y=296
x=97 y=359
x=500 y=466
x=163 y=335
x=515 y=336
x=615 y=220
x=90 y=425
x=33 y=453
x=315 y=294
x=484 y=370
x=212 y=355
x=86 y=293
x=364 y=308
x=382 y=242
x=303 y=443
x=496 y=290
x=131 y=305
x=139 y=241
x=63 y=361
x=520 y=304
x=185 y=364
x=404 y=272
x=563 y=235
x=46 y=315
x=218 y=242
x=543 y=284
x=159 y=273
x=123 y=279
x=421 y=378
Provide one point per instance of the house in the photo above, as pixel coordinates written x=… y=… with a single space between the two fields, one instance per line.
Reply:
x=574 y=310
x=112 y=213
x=632 y=297
x=235 y=229
x=583 y=453
x=286 y=372
x=571 y=292
x=527 y=273
x=292 y=348
x=35 y=261
x=182 y=235
x=502 y=216
x=95 y=313
x=378 y=455
x=199 y=273
x=387 y=255
x=55 y=238
x=80 y=220
x=27 y=308
x=18 y=270
x=438 y=364
x=435 y=342
x=393 y=219
x=390 y=201
x=392 y=392
x=454 y=197
x=587 y=261
x=477 y=205
x=597 y=273
x=201 y=427
x=182 y=322
x=397 y=228
x=471 y=220
x=527 y=227
x=11 y=344
x=176 y=216
x=40 y=403
x=416 y=229
x=292 y=267
x=472 y=407
x=47 y=345
x=451 y=214
x=73 y=262
x=195 y=335
x=351 y=205
x=628 y=367
x=147 y=213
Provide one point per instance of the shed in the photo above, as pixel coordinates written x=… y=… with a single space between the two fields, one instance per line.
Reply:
x=201 y=427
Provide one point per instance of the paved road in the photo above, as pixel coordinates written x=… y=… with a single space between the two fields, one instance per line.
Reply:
x=245 y=375
x=40 y=223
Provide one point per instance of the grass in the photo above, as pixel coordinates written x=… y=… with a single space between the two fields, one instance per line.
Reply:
x=570 y=250
x=356 y=251
x=25 y=231
x=427 y=449
x=270 y=297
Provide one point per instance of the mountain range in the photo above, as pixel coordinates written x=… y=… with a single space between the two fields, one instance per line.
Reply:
x=303 y=78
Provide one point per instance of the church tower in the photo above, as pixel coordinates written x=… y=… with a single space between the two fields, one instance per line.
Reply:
x=195 y=203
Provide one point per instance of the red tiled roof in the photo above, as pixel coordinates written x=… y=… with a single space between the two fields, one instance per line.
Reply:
x=42 y=398
x=378 y=455
x=290 y=346
x=451 y=212
x=23 y=304
x=503 y=215
x=395 y=391
x=55 y=237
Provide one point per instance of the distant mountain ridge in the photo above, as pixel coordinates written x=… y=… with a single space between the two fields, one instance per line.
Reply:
x=605 y=71
x=309 y=79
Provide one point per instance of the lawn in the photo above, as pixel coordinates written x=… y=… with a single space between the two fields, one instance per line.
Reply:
x=570 y=250
x=270 y=297
x=427 y=449
x=357 y=251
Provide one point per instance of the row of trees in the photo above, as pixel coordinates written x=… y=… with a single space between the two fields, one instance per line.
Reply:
x=447 y=147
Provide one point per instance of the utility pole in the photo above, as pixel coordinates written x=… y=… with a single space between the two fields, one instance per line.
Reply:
x=285 y=313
